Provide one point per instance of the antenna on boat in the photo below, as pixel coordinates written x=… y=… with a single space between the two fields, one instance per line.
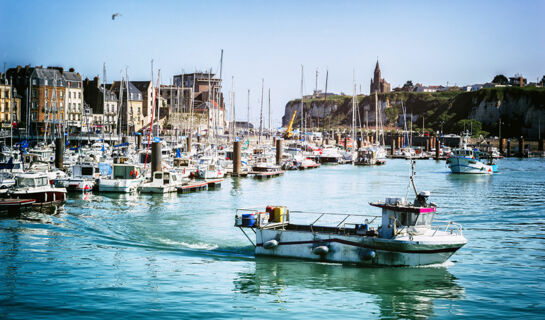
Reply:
x=413 y=163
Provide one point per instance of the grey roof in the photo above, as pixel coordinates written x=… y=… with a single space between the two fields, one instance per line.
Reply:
x=50 y=75
x=110 y=96
x=72 y=76
x=137 y=94
x=141 y=85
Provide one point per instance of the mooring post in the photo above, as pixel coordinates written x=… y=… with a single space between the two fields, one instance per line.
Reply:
x=138 y=142
x=437 y=148
x=359 y=143
x=155 y=157
x=508 y=148
x=236 y=157
x=540 y=144
x=393 y=150
x=502 y=143
x=188 y=143
x=59 y=153
x=278 y=151
x=521 y=147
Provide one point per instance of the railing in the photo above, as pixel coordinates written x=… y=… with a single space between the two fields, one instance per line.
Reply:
x=455 y=228
x=340 y=224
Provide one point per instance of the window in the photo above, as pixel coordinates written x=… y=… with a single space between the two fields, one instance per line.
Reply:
x=61 y=94
x=34 y=82
x=46 y=93
x=79 y=95
x=45 y=82
x=33 y=116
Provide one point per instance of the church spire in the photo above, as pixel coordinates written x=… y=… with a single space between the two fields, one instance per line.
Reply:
x=377 y=68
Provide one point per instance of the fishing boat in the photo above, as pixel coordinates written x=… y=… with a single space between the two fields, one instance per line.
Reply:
x=36 y=186
x=402 y=236
x=467 y=160
x=125 y=178
x=209 y=168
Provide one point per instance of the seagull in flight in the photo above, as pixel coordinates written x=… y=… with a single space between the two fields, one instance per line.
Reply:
x=117 y=14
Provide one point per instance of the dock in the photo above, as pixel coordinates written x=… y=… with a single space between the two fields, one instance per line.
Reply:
x=266 y=175
x=195 y=186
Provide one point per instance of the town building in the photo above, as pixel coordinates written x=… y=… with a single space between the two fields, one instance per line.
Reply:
x=378 y=84
x=10 y=105
x=518 y=81
x=103 y=104
x=73 y=101
x=132 y=119
x=207 y=97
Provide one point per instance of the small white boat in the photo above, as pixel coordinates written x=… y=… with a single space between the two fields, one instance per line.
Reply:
x=467 y=160
x=125 y=178
x=82 y=179
x=330 y=155
x=162 y=182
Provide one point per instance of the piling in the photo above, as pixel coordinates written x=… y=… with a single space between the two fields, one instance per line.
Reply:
x=372 y=139
x=199 y=138
x=155 y=157
x=236 y=157
x=437 y=148
x=521 y=147
x=392 y=151
x=337 y=139
x=59 y=152
x=278 y=151
x=138 y=142
x=427 y=144
x=508 y=148
x=327 y=141
x=359 y=143
x=502 y=143
x=345 y=143
x=188 y=143
x=399 y=141
x=540 y=144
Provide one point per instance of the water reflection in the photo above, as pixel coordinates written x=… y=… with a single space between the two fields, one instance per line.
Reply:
x=401 y=292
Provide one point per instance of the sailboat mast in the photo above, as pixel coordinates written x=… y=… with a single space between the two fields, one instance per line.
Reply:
x=248 y=114
x=103 y=101
x=301 y=124
x=261 y=112
x=269 y=127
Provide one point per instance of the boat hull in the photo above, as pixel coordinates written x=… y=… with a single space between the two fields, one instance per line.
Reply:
x=355 y=249
x=469 y=166
x=118 y=186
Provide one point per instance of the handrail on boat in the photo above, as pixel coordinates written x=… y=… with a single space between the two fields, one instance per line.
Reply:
x=456 y=227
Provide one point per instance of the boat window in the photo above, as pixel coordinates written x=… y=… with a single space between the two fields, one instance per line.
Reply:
x=158 y=175
x=40 y=182
x=86 y=171
x=25 y=182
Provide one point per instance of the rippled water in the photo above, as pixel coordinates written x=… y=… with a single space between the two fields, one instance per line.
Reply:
x=179 y=256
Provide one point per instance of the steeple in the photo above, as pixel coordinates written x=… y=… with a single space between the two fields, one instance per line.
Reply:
x=377 y=68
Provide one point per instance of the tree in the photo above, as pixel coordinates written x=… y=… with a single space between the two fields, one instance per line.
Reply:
x=473 y=126
x=408 y=86
x=500 y=79
x=543 y=81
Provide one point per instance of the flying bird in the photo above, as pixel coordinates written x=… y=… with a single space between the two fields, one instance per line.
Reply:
x=117 y=14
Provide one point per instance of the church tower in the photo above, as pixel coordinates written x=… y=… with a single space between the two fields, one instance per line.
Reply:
x=377 y=83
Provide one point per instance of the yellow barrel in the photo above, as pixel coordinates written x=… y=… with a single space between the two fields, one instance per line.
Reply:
x=279 y=214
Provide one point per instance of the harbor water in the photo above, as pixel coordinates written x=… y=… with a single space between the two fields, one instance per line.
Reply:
x=179 y=256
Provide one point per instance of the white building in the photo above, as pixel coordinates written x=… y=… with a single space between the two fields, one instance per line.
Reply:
x=73 y=100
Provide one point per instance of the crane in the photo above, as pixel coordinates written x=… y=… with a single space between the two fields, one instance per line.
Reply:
x=289 y=133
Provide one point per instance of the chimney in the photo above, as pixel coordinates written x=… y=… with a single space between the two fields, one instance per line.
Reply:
x=71 y=70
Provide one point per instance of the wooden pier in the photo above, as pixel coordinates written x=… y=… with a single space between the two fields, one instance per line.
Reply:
x=266 y=175
x=195 y=186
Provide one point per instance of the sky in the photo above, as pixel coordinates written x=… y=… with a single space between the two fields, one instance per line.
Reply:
x=428 y=42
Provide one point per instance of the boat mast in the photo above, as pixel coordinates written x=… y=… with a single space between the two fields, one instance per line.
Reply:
x=261 y=112
x=158 y=102
x=301 y=124
x=269 y=127
x=129 y=106
x=103 y=102
x=354 y=99
x=248 y=116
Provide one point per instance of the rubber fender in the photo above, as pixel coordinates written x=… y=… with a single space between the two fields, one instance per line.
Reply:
x=320 y=250
x=271 y=244
x=369 y=255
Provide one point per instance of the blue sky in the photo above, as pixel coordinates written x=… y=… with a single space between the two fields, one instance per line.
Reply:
x=460 y=42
